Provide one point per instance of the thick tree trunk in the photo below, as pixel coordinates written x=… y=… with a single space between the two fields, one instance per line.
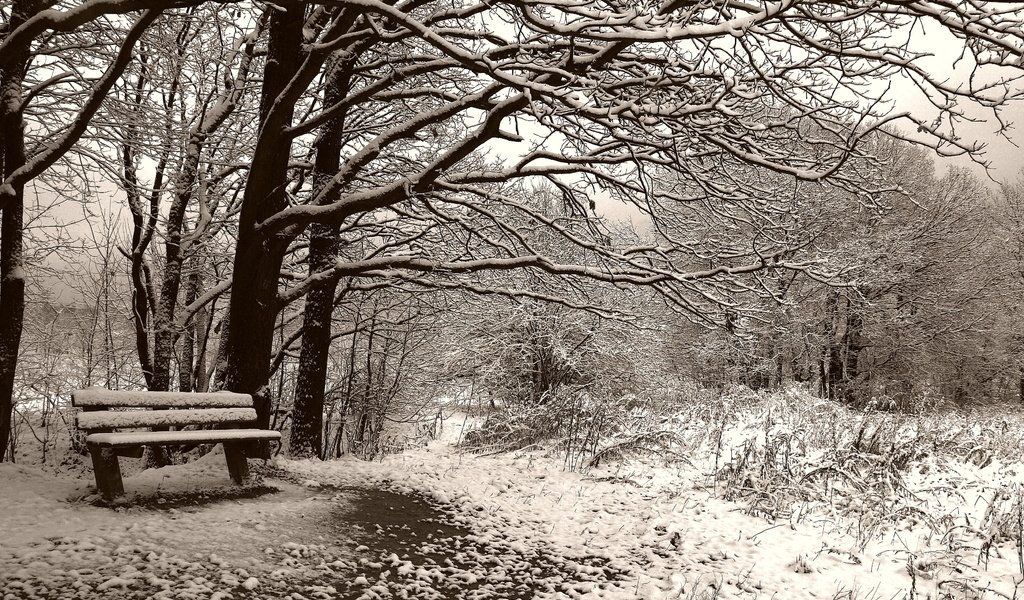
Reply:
x=257 y=264
x=12 y=267
x=306 y=439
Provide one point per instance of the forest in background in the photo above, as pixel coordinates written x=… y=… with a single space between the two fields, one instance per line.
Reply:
x=352 y=209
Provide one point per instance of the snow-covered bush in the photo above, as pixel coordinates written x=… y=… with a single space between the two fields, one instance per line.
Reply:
x=565 y=380
x=789 y=456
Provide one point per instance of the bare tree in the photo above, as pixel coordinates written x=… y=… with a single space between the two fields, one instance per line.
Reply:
x=169 y=112
x=24 y=81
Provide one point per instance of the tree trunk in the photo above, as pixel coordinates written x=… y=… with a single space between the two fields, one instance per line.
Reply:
x=144 y=220
x=853 y=342
x=306 y=439
x=165 y=332
x=189 y=337
x=201 y=333
x=12 y=267
x=831 y=360
x=257 y=264
x=307 y=413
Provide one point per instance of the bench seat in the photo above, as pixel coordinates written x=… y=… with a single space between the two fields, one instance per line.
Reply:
x=160 y=438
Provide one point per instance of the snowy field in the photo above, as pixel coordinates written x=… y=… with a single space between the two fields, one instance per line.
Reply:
x=746 y=497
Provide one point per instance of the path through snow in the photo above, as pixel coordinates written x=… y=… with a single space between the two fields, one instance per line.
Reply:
x=437 y=524
x=307 y=541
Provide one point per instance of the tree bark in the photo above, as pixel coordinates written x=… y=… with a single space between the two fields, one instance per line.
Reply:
x=165 y=331
x=853 y=342
x=190 y=336
x=306 y=439
x=257 y=263
x=12 y=267
x=143 y=225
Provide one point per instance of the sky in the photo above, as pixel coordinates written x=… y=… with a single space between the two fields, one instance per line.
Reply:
x=946 y=63
x=1006 y=154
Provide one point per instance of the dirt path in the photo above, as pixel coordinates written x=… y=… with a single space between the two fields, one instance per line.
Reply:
x=409 y=547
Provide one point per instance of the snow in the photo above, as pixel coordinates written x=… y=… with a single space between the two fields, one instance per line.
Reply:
x=140 y=438
x=56 y=545
x=671 y=532
x=96 y=396
x=630 y=529
x=664 y=539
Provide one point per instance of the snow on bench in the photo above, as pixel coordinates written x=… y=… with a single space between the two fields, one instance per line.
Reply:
x=134 y=410
x=120 y=398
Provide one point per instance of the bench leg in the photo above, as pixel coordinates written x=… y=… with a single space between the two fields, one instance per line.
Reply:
x=238 y=467
x=107 y=470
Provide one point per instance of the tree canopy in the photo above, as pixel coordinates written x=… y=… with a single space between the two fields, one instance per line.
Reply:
x=278 y=149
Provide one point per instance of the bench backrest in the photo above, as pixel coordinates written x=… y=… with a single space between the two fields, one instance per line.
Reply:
x=167 y=409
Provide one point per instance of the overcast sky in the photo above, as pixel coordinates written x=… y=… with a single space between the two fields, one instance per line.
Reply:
x=1005 y=155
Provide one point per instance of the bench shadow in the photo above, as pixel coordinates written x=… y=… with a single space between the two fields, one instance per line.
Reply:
x=174 y=499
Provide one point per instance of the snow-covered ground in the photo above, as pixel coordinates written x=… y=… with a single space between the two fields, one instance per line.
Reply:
x=765 y=506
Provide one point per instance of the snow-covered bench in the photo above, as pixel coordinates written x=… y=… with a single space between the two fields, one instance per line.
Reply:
x=104 y=412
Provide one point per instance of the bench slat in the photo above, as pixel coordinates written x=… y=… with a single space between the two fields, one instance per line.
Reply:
x=141 y=438
x=101 y=397
x=124 y=419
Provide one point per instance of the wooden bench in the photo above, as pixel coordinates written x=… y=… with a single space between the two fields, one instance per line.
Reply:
x=104 y=412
